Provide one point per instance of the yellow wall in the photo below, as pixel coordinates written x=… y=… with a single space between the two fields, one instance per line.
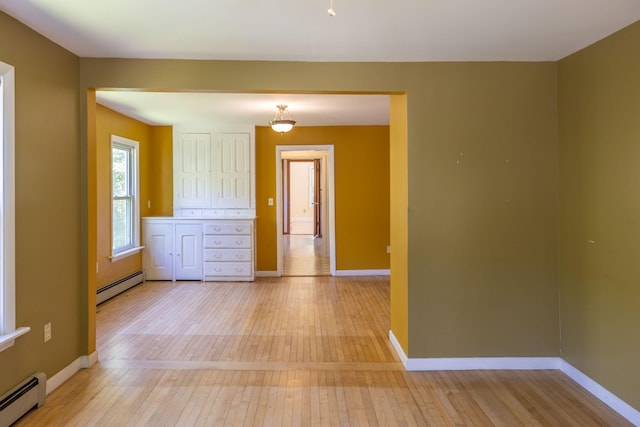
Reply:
x=599 y=110
x=361 y=168
x=49 y=287
x=398 y=214
x=155 y=171
x=161 y=171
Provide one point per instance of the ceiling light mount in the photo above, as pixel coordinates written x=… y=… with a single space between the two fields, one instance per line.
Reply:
x=280 y=123
x=331 y=11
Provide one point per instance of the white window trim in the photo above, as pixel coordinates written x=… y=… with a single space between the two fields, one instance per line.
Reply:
x=8 y=331
x=135 y=226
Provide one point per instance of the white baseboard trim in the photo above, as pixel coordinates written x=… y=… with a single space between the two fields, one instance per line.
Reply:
x=343 y=273
x=267 y=274
x=398 y=348
x=67 y=372
x=363 y=272
x=524 y=363
x=89 y=361
x=610 y=399
x=482 y=363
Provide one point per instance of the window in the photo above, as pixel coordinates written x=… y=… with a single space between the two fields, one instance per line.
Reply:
x=8 y=331
x=125 y=208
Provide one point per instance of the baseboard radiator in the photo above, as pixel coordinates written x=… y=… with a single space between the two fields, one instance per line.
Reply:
x=27 y=395
x=119 y=286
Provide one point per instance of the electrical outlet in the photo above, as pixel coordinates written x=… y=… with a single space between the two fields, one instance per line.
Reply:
x=47 y=332
x=388 y=249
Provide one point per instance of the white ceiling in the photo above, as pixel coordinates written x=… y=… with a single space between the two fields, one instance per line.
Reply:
x=302 y=30
x=169 y=108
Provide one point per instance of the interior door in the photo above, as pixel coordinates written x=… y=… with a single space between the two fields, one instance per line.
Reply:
x=317 y=203
x=285 y=196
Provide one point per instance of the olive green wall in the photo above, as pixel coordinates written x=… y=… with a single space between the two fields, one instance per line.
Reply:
x=599 y=137
x=483 y=211
x=361 y=171
x=48 y=256
x=483 y=232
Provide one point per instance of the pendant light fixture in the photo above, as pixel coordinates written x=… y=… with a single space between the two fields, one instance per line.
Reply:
x=279 y=123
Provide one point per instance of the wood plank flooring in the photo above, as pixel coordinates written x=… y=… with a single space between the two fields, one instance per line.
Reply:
x=297 y=351
x=303 y=256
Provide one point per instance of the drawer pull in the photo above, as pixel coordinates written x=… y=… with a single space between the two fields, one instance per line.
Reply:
x=217 y=269
x=218 y=242
x=239 y=229
x=218 y=256
x=239 y=256
x=239 y=242
x=239 y=270
x=217 y=229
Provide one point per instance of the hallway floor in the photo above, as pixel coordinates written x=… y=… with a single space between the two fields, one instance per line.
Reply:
x=303 y=256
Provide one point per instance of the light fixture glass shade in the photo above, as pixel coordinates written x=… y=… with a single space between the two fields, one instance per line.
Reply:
x=279 y=123
x=282 y=125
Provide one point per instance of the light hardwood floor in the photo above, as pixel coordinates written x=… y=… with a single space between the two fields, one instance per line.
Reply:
x=302 y=256
x=298 y=351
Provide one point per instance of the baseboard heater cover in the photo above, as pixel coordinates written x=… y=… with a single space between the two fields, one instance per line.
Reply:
x=27 y=395
x=119 y=286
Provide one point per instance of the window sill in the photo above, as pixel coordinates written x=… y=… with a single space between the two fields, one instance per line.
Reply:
x=7 y=340
x=126 y=253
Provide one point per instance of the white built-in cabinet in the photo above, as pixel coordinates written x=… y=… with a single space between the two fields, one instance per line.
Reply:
x=198 y=249
x=212 y=233
x=213 y=171
x=173 y=249
x=192 y=173
x=228 y=250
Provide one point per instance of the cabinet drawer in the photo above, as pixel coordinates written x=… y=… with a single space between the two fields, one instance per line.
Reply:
x=236 y=269
x=231 y=242
x=189 y=212
x=227 y=255
x=213 y=213
x=229 y=229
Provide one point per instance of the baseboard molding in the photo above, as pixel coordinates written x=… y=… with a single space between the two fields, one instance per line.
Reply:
x=520 y=363
x=67 y=372
x=267 y=274
x=89 y=361
x=482 y=363
x=398 y=348
x=610 y=399
x=363 y=272
x=343 y=273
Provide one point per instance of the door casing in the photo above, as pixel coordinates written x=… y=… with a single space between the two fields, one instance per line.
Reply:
x=329 y=149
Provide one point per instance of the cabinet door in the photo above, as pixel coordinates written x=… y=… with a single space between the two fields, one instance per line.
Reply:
x=192 y=170
x=158 y=252
x=232 y=171
x=188 y=258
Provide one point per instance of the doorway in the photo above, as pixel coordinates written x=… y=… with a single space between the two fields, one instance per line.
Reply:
x=305 y=213
x=304 y=249
x=302 y=196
